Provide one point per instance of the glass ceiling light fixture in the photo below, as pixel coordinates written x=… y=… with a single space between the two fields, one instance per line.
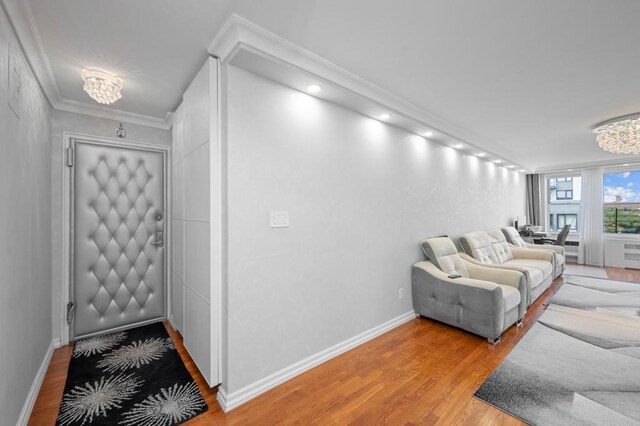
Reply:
x=101 y=86
x=619 y=135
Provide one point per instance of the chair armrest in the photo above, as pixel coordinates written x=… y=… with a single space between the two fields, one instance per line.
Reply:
x=475 y=305
x=444 y=278
x=555 y=249
x=545 y=241
x=508 y=277
x=539 y=254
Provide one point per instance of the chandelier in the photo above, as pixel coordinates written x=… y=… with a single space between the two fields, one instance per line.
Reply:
x=103 y=87
x=620 y=135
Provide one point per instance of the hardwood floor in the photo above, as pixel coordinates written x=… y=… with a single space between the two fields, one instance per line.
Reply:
x=422 y=372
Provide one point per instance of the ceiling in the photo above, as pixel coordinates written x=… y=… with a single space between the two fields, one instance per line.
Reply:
x=532 y=78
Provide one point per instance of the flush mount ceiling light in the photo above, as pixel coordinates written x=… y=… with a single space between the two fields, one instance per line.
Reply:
x=384 y=116
x=457 y=146
x=427 y=134
x=480 y=154
x=314 y=88
x=620 y=135
x=510 y=166
x=521 y=170
x=497 y=161
x=103 y=87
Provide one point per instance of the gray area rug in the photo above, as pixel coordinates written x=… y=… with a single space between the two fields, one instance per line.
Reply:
x=587 y=271
x=579 y=364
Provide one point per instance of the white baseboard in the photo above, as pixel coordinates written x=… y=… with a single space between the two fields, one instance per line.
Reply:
x=37 y=382
x=230 y=401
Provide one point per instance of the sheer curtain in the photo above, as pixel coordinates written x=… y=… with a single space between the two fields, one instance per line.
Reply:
x=591 y=248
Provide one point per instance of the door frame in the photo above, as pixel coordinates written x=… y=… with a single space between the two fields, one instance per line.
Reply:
x=67 y=232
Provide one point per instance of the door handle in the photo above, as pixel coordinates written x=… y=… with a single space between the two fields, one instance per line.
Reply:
x=159 y=242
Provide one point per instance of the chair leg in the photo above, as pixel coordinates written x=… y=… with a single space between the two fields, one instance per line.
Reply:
x=494 y=341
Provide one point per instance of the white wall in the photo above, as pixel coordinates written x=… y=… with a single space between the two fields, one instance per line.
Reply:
x=88 y=125
x=25 y=235
x=361 y=196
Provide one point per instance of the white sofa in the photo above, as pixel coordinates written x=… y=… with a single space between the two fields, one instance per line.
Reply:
x=483 y=248
x=513 y=237
x=485 y=301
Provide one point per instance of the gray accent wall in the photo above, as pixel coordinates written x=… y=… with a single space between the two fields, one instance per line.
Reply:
x=361 y=196
x=25 y=233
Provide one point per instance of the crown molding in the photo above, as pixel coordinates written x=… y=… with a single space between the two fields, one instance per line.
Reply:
x=113 y=114
x=632 y=159
x=23 y=23
x=246 y=45
x=21 y=17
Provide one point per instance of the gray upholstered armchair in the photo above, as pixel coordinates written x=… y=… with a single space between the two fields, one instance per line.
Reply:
x=482 y=300
x=513 y=237
x=492 y=250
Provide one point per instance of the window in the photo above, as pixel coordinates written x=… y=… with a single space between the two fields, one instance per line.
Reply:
x=564 y=194
x=563 y=197
x=568 y=219
x=621 y=202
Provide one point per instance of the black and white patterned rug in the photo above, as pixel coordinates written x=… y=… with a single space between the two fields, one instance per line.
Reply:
x=132 y=377
x=579 y=364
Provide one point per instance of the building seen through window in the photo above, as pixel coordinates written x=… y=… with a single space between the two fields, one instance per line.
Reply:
x=564 y=202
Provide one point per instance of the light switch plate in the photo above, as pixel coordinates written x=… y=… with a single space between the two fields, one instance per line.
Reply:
x=279 y=219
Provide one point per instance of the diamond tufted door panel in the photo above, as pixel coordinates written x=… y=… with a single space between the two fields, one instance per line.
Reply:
x=118 y=231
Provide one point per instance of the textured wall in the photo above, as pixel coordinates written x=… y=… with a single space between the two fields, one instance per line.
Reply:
x=25 y=235
x=361 y=195
x=83 y=124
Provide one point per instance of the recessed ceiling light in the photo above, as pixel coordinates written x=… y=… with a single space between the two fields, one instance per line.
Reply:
x=314 y=88
x=510 y=166
x=427 y=134
x=521 y=170
x=480 y=154
x=570 y=170
x=457 y=146
x=626 y=165
x=497 y=161
x=384 y=116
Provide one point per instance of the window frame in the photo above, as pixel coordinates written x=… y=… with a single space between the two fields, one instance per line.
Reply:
x=544 y=197
x=564 y=215
x=568 y=194
x=633 y=167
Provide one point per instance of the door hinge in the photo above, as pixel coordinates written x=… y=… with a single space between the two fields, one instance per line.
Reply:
x=70 y=309
x=70 y=157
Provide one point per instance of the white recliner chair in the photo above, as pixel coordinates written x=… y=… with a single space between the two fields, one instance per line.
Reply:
x=494 y=251
x=513 y=237
x=485 y=301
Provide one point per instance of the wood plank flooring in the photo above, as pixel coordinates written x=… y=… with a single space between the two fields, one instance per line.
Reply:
x=422 y=372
